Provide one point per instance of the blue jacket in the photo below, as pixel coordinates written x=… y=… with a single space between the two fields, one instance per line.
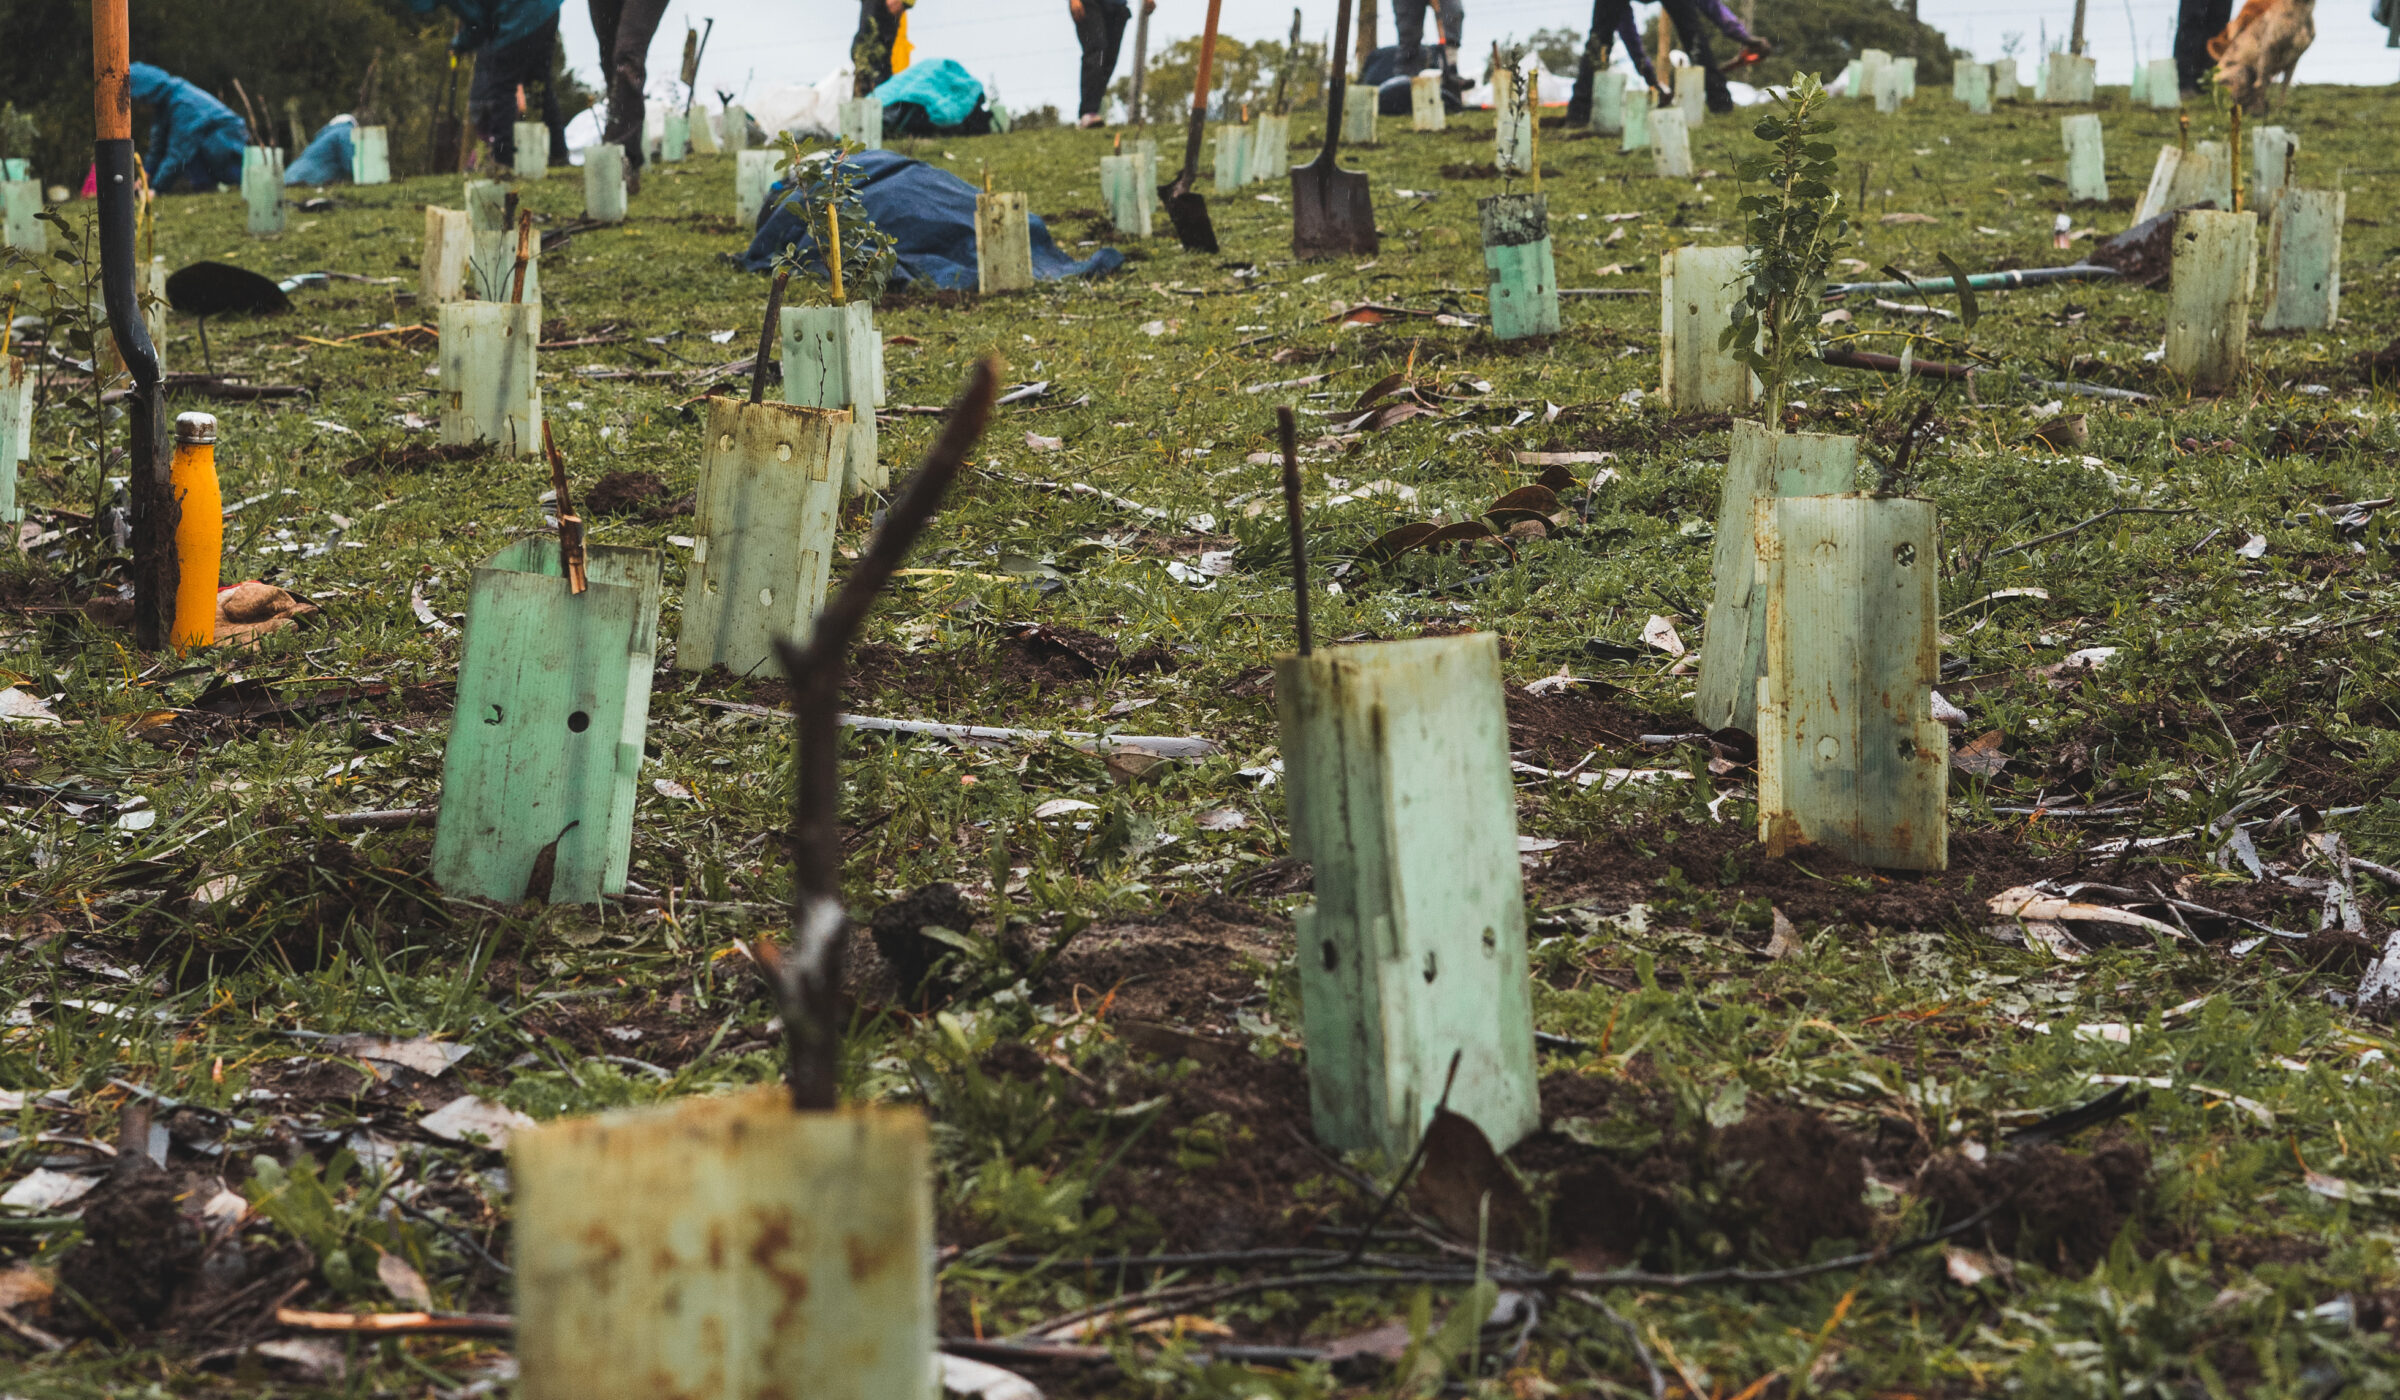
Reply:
x=484 y=24
x=195 y=138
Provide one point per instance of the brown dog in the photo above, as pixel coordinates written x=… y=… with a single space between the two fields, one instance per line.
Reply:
x=2264 y=42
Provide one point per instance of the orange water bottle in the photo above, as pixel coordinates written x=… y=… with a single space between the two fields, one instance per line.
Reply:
x=199 y=530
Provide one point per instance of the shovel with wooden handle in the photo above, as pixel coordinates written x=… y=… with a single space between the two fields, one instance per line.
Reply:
x=1333 y=212
x=1184 y=204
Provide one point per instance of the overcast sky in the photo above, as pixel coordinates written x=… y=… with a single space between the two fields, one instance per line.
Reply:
x=1027 y=47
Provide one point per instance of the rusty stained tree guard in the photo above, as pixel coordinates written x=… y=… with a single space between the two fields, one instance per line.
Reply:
x=2272 y=152
x=770 y=493
x=554 y=668
x=488 y=388
x=1411 y=989
x=833 y=358
x=2215 y=272
x=1333 y=210
x=1851 y=760
x=2304 y=261
x=154 y=515
x=773 y=1245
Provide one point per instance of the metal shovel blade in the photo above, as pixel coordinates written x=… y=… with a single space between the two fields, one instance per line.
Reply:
x=1189 y=211
x=1333 y=211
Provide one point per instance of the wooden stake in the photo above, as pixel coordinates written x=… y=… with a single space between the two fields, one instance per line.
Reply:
x=767 y=332
x=1287 y=428
x=2233 y=152
x=524 y=254
x=570 y=525
x=833 y=249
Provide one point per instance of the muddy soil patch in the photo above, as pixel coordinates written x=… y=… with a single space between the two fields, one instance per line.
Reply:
x=1560 y=729
x=637 y=496
x=2061 y=1208
x=413 y=457
x=1184 y=965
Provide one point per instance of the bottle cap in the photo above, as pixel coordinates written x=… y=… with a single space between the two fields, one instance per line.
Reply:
x=195 y=428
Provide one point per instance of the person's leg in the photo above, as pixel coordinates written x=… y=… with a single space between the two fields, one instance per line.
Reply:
x=553 y=116
x=871 y=51
x=2197 y=22
x=626 y=43
x=1587 y=68
x=492 y=104
x=1091 y=35
x=1408 y=31
x=1119 y=19
x=1453 y=15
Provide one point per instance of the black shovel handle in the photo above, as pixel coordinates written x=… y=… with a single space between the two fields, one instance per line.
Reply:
x=1337 y=83
x=1208 y=61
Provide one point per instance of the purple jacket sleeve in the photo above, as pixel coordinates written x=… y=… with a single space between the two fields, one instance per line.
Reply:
x=1725 y=20
x=1629 y=33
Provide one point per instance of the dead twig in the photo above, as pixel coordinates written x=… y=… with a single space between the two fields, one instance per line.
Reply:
x=405 y=1324
x=2086 y=524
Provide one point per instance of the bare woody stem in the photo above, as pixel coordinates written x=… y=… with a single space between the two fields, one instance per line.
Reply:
x=808 y=978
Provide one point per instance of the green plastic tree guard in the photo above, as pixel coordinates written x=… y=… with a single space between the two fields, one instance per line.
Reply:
x=1887 y=89
x=1522 y=275
x=1634 y=120
x=2161 y=89
x=2204 y=174
x=2304 y=261
x=2087 y=158
x=862 y=121
x=2162 y=184
x=1608 y=103
x=701 y=133
x=533 y=151
x=1974 y=88
x=2272 y=149
x=1233 y=158
x=1426 y=111
x=2214 y=273
x=753 y=180
x=604 y=183
x=1697 y=290
x=1127 y=189
x=16 y=432
x=830 y=354
x=1908 y=78
x=489 y=392
x=1847 y=84
x=1850 y=758
x=487 y=206
x=442 y=271
x=2005 y=85
x=262 y=190
x=770 y=491
x=371 y=156
x=675 y=137
x=1691 y=95
x=737 y=127
x=1670 y=144
x=1003 y=244
x=2070 y=78
x=1271 y=148
x=1396 y=759
x=546 y=740
x=492 y=268
x=1871 y=63
x=1763 y=465
x=20 y=216
x=1358 y=116
x=16 y=168
x=2138 y=91
x=726 y=1248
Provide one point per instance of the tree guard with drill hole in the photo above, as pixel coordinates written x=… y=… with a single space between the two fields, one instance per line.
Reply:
x=762 y=547
x=1358 y=115
x=1670 y=145
x=726 y=1248
x=262 y=190
x=2087 y=158
x=1413 y=948
x=546 y=740
x=1697 y=291
x=16 y=432
x=1521 y=274
x=442 y=270
x=1763 y=465
x=1851 y=760
x=371 y=155
x=487 y=384
x=2214 y=274
x=20 y=216
x=1232 y=169
x=754 y=175
x=830 y=355
x=1271 y=148
x=2304 y=261
x=1003 y=243
x=1426 y=111
x=861 y=120
x=533 y=151
x=604 y=183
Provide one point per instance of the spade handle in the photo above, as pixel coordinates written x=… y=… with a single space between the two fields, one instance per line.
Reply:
x=1337 y=83
x=1208 y=63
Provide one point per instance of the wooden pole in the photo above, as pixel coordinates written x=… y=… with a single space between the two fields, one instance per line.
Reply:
x=2075 y=44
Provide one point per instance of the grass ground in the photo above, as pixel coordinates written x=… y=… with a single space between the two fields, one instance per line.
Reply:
x=1713 y=1095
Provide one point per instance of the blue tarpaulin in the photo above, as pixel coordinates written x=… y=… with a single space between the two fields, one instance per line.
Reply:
x=932 y=214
